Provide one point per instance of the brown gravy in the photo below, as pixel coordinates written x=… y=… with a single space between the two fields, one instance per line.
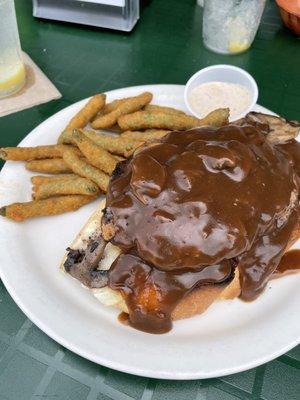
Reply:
x=289 y=264
x=123 y=317
x=152 y=295
x=188 y=210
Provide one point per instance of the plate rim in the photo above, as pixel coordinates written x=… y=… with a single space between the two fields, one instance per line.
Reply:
x=123 y=367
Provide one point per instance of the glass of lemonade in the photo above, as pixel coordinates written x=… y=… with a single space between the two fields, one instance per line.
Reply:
x=12 y=69
x=229 y=26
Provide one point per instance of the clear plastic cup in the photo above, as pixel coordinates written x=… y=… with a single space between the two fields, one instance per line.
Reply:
x=229 y=26
x=12 y=70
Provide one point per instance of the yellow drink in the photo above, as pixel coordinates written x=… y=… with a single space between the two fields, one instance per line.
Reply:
x=12 y=70
x=12 y=79
x=238 y=47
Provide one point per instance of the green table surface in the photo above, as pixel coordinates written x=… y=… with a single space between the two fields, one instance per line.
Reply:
x=164 y=47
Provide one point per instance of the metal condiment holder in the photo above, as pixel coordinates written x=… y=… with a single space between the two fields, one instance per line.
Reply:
x=114 y=14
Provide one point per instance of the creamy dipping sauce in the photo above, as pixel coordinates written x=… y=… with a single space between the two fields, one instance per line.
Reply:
x=212 y=95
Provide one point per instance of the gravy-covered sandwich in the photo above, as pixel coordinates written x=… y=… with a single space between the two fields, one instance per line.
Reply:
x=200 y=216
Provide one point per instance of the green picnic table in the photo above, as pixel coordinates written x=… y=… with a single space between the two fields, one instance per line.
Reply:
x=164 y=47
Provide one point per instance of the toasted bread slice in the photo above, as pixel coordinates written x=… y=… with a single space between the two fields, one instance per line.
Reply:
x=200 y=299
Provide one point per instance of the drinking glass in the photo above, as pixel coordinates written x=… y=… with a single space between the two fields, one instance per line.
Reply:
x=12 y=70
x=229 y=26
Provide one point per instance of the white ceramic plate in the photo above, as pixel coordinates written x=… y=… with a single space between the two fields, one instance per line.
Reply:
x=230 y=337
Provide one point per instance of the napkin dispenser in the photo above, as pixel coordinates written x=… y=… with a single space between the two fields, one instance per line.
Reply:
x=114 y=14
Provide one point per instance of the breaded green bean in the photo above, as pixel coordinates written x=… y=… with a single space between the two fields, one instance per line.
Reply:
x=37 y=208
x=147 y=120
x=32 y=153
x=82 y=168
x=217 y=118
x=95 y=154
x=150 y=134
x=132 y=104
x=65 y=137
x=49 y=166
x=40 y=179
x=158 y=109
x=85 y=115
x=113 y=144
x=72 y=186
x=116 y=145
x=109 y=107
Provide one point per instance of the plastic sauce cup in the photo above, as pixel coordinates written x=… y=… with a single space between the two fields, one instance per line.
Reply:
x=222 y=73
